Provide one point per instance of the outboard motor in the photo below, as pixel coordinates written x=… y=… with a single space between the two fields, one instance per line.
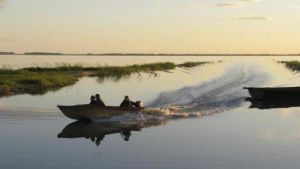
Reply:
x=139 y=104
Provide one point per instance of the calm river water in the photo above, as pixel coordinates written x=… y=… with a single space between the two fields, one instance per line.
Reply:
x=34 y=133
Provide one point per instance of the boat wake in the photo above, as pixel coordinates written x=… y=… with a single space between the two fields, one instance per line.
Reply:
x=216 y=95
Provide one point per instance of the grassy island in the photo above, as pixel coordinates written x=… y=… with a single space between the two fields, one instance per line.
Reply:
x=292 y=65
x=39 y=80
x=191 y=64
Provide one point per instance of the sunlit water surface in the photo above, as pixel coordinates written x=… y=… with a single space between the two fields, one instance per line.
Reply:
x=233 y=137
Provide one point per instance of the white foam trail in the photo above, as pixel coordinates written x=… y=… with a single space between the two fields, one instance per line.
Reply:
x=219 y=94
x=214 y=96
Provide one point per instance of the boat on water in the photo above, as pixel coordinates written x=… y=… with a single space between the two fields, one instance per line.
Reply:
x=92 y=112
x=274 y=93
x=273 y=104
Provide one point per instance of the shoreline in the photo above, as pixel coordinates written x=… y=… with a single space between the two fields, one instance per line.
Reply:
x=40 y=80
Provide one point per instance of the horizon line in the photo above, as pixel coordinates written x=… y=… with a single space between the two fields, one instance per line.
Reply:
x=150 y=54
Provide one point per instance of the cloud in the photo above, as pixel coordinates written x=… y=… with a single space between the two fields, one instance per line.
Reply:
x=259 y=18
x=237 y=3
x=225 y=4
x=190 y=5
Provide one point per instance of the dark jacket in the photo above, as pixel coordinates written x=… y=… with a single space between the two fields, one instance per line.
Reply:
x=93 y=102
x=99 y=102
x=126 y=103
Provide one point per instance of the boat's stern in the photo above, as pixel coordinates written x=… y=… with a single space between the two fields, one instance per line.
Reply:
x=255 y=93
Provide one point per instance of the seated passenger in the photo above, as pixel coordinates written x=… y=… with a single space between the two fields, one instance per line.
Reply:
x=126 y=102
x=93 y=100
x=99 y=101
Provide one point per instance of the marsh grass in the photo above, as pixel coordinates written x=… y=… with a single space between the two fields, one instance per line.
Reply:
x=22 y=81
x=38 y=80
x=192 y=64
x=292 y=65
x=118 y=72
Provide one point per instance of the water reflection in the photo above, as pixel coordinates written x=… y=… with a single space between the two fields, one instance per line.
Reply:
x=273 y=103
x=97 y=131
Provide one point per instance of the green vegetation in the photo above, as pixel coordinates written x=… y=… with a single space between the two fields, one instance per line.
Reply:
x=118 y=72
x=292 y=65
x=42 y=53
x=38 y=80
x=22 y=81
x=7 y=53
x=107 y=69
x=191 y=64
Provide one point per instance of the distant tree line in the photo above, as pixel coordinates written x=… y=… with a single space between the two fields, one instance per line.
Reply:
x=42 y=53
x=7 y=53
x=152 y=54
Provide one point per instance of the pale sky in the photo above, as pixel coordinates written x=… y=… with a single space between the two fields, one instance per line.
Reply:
x=150 y=26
